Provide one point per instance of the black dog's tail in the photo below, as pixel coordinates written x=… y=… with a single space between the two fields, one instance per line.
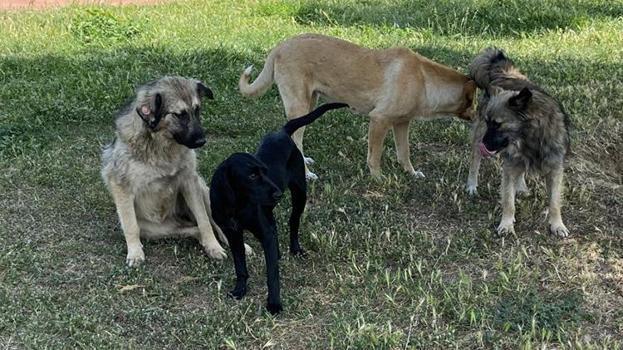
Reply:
x=295 y=124
x=488 y=65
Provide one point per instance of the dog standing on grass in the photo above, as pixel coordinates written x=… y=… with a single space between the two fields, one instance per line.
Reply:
x=526 y=126
x=150 y=167
x=391 y=86
x=245 y=189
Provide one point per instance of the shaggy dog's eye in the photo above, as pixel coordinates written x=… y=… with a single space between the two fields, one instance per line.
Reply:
x=493 y=124
x=182 y=115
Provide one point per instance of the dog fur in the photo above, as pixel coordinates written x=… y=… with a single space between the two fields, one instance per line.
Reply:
x=150 y=167
x=526 y=126
x=245 y=190
x=391 y=86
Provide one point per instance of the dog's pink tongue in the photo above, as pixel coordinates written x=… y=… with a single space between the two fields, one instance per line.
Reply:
x=484 y=151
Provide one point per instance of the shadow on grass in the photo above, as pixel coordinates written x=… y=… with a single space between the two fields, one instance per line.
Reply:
x=453 y=17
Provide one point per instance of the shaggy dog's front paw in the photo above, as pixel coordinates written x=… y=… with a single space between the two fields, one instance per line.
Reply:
x=471 y=189
x=505 y=228
x=559 y=229
x=311 y=176
x=215 y=251
x=135 y=257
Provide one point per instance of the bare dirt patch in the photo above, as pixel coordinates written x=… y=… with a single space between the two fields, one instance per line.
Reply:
x=45 y=4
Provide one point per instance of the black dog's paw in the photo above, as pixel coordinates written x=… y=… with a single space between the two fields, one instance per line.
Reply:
x=299 y=253
x=274 y=308
x=237 y=293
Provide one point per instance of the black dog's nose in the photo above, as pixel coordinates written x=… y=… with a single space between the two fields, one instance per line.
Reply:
x=277 y=195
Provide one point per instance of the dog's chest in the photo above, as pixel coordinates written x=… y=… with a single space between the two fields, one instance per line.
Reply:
x=157 y=193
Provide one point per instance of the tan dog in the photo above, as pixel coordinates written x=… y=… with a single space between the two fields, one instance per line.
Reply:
x=391 y=86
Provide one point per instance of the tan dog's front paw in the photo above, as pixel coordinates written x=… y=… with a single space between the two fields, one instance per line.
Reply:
x=135 y=257
x=418 y=174
x=215 y=251
x=506 y=227
x=559 y=229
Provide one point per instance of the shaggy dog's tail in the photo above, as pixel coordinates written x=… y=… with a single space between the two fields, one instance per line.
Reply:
x=299 y=122
x=263 y=82
x=489 y=65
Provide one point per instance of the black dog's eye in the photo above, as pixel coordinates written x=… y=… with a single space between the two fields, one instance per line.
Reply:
x=253 y=177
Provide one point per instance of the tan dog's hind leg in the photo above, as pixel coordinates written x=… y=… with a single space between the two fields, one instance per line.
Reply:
x=401 y=139
x=129 y=224
x=193 y=194
x=376 y=135
x=554 y=187
x=509 y=180
x=297 y=105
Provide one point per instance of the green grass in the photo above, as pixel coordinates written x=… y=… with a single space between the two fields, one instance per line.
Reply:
x=393 y=264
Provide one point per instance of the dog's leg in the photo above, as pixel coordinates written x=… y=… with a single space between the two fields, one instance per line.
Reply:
x=236 y=244
x=193 y=194
x=206 y=201
x=376 y=135
x=477 y=132
x=271 y=254
x=129 y=224
x=554 y=187
x=401 y=139
x=299 y=198
x=509 y=180
x=521 y=186
x=297 y=105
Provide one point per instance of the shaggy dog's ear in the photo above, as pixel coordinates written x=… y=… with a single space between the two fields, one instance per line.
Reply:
x=493 y=91
x=204 y=91
x=151 y=111
x=520 y=101
x=221 y=189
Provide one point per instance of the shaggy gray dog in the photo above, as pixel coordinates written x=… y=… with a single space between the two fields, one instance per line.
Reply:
x=526 y=126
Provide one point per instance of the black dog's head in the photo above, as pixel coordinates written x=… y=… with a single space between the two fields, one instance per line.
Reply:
x=241 y=180
x=172 y=106
x=505 y=115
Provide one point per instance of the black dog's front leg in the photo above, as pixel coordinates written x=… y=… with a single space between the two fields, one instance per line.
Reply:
x=270 y=244
x=236 y=243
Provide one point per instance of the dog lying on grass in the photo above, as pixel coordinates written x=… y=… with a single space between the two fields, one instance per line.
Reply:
x=526 y=126
x=245 y=189
x=391 y=86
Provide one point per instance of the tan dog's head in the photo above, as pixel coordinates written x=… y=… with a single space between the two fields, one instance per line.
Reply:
x=466 y=110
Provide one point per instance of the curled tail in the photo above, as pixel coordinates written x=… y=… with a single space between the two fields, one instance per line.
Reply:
x=262 y=83
x=485 y=66
x=294 y=124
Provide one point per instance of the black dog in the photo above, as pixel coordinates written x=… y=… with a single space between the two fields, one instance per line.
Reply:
x=244 y=190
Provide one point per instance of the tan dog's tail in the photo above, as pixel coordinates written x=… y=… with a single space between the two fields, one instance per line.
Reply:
x=263 y=81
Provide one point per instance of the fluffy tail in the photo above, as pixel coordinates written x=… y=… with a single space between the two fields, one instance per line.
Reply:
x=294 y=124
x=262 y=83
x=486 y=64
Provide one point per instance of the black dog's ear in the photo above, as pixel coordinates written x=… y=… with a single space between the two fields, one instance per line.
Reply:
x=520 y=101
x=204 y=91
x=221 y=191
x=151 y=112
